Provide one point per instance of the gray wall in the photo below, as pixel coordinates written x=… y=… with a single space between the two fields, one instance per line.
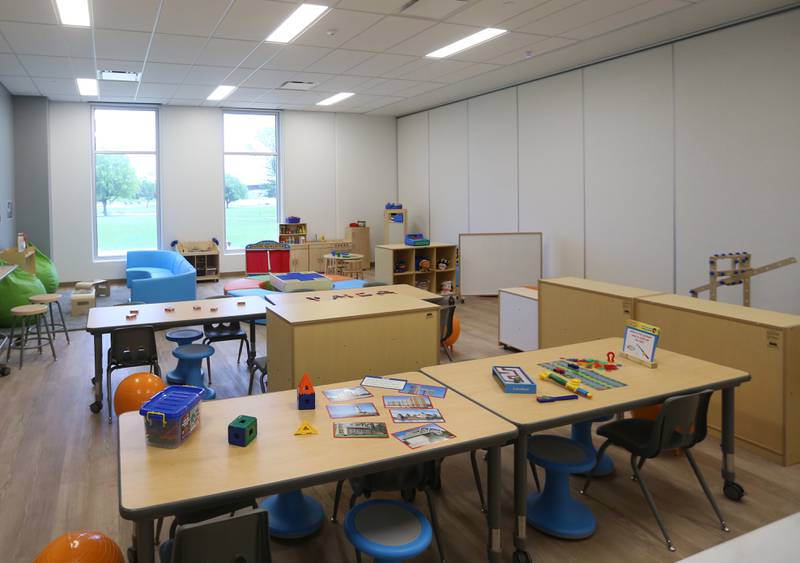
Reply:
x=7 y=227
x=31 y=169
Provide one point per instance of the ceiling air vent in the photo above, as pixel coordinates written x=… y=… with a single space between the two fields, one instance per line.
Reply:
x=434 y=9
x=118 y=75
x=297 y=85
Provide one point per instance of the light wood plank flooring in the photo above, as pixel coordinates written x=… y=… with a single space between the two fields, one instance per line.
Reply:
x=58 y=472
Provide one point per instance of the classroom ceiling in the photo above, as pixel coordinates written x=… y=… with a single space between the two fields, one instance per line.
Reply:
x=374 y=48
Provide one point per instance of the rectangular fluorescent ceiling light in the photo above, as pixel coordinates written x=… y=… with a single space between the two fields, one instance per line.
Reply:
x=297 y=22
x=74 y=12
x=118 y=75
x=335 y=99
x=87 y=86
x=220 y=93
x=467 y=42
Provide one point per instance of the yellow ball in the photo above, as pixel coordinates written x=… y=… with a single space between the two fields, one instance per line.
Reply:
x=135 y=390
x=81 y=547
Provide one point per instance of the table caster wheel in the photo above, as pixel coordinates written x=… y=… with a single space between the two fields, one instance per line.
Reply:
x=132 y=558
x=733 y=490
x=96 y=407
x=4 y=371
x=521 y=557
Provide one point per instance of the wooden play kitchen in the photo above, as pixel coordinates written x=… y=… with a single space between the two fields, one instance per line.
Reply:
x=310 y=256
x=431 y=267
x=204 y=256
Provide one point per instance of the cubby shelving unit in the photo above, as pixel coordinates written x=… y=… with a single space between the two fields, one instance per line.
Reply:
x=387 y=256
x=292 y=233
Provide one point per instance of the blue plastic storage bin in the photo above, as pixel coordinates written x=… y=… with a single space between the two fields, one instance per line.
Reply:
x=171 y=415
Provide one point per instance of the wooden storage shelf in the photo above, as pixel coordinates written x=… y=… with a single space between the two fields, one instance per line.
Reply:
x=387 y=255
x=292 y=233
x=358 y=237
x=203 y=255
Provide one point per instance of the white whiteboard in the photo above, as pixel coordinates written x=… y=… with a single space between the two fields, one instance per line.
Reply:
x=491 y=261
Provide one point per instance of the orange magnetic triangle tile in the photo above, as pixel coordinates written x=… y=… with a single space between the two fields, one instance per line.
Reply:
x=305 y=385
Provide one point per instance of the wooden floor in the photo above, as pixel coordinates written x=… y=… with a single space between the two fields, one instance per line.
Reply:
x=58 y=472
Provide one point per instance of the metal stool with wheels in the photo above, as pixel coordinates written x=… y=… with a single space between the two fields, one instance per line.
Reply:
x=49 y=299
x=24 y=313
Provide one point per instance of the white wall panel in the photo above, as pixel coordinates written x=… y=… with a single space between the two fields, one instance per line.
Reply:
x=551 y=170
x=366 y=170
x=449 y=180
x=412 y=170
x=629 y=170
x=738 y=155
x=493 y=193
x=8 y=233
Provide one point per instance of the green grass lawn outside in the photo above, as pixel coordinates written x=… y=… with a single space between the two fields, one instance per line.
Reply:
x=129 y=227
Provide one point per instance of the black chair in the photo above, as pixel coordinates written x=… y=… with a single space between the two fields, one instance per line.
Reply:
x=201 y=515
x=131 y=347
x=448 y=311
x=680 y=424
x=224 y=332
x=260 y=364
x=243 y=538
x=421 y=476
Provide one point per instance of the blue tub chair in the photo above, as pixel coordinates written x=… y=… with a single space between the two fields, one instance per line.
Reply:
x=159 y=276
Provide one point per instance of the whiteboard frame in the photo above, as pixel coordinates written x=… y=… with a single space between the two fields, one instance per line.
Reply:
x=463 y=273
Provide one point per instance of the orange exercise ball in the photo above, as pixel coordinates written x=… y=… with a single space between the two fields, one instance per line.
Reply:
x=456 y=333
x=135 y=390
x=81 y=547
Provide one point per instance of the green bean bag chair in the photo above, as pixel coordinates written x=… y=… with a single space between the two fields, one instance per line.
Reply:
x=46 y=271
x=15 y=289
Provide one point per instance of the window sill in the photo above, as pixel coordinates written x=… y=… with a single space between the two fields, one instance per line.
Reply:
x=104 y=259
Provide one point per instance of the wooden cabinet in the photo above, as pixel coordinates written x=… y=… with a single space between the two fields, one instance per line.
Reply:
x=359 y=239
x=298 y=258
x=389 y=257
x=763 y=343
x=519 y=318
x=395 y=226
x=317 y=251
x=573 y=310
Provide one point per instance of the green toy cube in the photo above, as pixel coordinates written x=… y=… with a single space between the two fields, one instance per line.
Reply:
x=242 y=430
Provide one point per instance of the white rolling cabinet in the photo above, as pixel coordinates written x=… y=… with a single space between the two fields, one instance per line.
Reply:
x=519 y=318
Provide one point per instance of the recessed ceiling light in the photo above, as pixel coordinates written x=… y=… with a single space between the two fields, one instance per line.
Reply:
x=118 y=75
x=87 y=86
x=335 y=99
x=467 y=42
x=74 y=12
x=220 y=93
x=299 y=20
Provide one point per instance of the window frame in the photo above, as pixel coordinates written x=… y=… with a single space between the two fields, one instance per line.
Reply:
x=128 y=107
x=278 y=175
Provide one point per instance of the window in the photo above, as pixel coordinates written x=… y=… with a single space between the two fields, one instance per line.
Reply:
x=125 y=179
x=252 y=181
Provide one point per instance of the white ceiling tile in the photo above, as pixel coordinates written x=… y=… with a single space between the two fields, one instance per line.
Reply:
x=392 y=87
x=9 y=66
x=187 y=101
x=152 y=100
x=164 y=73
x=253 y=19
x=179 y=49
x=117 y=99
x=369 y=85
x=262 y=54
x=110 y=64
x=376 y=6
x=489 y=13
x=207 y=75
x=226 y=52
x=67 y=98
x=433 y=38
x=342 y=83
x=316 y=77
x=433 y=9
x=432 y=71
x=336 y=27
x=191 y=17
x=246 y=95
x=420 y=88
x=296 y=57
x=378 y=102
x=57 y=86
x=54 y=40
x=380 y=64
x=339 y=61
x=19 y=85
x=541 y=10
x=503 y=44
x=147 y=90
x=139 y=15
x=238 y=75
x=292 y=97
x=84 y=68
x=621 y=19
x=33 y=11
x=116 y=88
x=469 y=72
x=389 y=31
x=4 y=46
x=536 y=50
x=193 y=91
x=268 y=78
x=124 y=45
x=577 y=16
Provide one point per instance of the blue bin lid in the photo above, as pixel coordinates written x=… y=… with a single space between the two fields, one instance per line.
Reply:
x=173 y=402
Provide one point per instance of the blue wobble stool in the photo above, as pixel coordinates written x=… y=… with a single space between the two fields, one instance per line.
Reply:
x=190 y=359
x=554 y=511
x=582 y=433
x=181 y=337
x=293 y=515
x=390 y=531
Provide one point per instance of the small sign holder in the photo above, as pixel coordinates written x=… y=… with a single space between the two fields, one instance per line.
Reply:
x=640 y=343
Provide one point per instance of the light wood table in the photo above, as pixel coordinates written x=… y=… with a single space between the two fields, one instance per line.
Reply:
x=676 y=374
x=333 y=339
x=206 y=470
x=103 y=320
x=330 y=294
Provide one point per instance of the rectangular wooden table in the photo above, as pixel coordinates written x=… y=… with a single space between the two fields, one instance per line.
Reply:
x=333 y=339
x=328 y=294
x=676 y=374
x=103 y=320
x=206 y=470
